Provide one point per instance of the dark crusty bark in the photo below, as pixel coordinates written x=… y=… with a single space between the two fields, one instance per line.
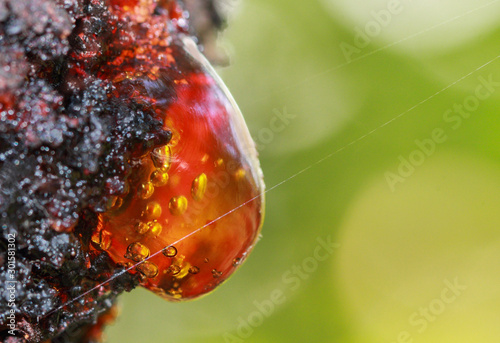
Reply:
x=64 y=148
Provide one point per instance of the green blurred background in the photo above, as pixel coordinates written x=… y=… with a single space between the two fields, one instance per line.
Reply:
x=411 y=204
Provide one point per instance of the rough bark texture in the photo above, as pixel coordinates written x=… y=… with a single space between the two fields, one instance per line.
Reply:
x=66 y=135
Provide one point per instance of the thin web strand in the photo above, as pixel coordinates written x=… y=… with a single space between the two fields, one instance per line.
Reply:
x=385 y=47
x=300 y=172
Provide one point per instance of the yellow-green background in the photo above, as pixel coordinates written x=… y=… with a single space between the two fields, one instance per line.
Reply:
x=397 y=246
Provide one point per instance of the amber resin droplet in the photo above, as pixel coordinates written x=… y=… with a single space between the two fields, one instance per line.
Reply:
x=173 y=269
x=155 y=228
x=105 y=242
x=161 y=158
x=216 y=274
x=194 y=270
x=178 y=205
x=199 y=187
x=196 y=201
x=146 y=190
x=148 y=269
x=141 y=228
x=159 y=178
x=170 y=251
x=137 y=252
x=240 y=174
x=152 y=210
x=236 y=262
